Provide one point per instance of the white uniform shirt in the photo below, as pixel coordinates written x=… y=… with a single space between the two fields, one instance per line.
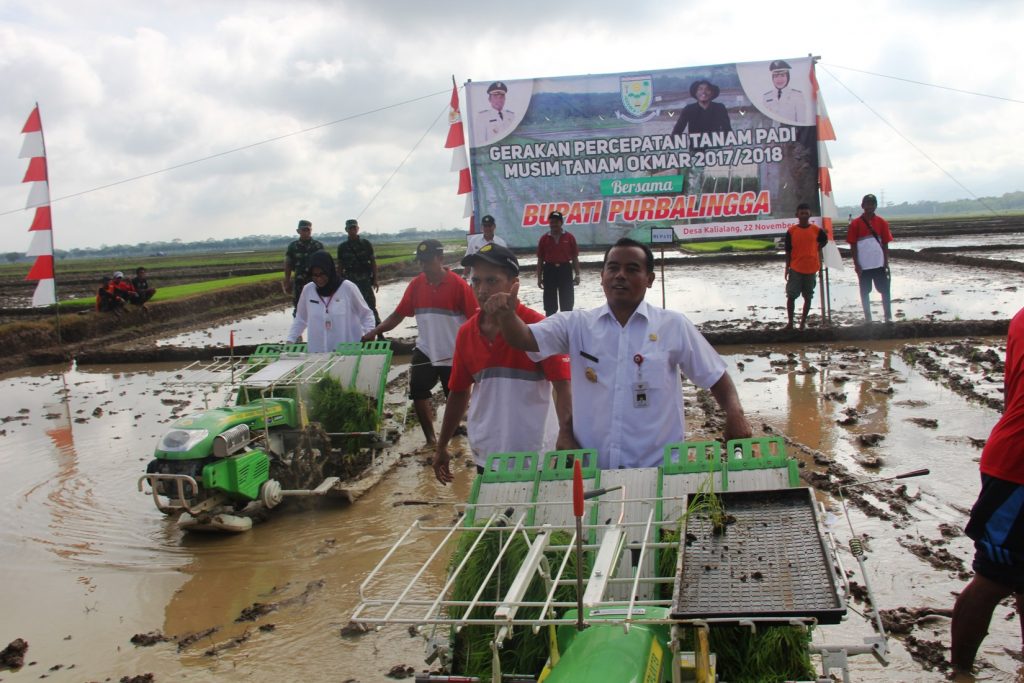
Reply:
x=476 y=241
x=491 y=125
x=350 y=318
x=605 y=416
x=790 y=106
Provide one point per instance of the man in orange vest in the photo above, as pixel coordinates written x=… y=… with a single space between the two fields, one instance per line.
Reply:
x=804 y=242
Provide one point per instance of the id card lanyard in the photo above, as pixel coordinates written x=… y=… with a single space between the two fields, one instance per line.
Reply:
x=640 y=386
x=327 y=311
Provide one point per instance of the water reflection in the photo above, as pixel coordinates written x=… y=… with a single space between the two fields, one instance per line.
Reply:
x=753 y=293
x=81 y=548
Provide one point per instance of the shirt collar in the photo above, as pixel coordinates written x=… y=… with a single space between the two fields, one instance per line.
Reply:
x=643 y=310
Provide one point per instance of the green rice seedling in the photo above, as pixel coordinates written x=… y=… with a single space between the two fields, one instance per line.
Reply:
x=525 y=652
x=340 y=410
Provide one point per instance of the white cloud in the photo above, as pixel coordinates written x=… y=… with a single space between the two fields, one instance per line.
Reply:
x=130 y=88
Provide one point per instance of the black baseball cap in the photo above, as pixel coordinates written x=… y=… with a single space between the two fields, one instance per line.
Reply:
x=869 y=198
x=487 y=220
x=428 y=249
x=556 y=214
x=496 y=255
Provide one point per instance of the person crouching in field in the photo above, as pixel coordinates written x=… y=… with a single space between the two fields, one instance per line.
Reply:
x=107 y=298
x=141 y=285
x=124 y=288
x=804 y=243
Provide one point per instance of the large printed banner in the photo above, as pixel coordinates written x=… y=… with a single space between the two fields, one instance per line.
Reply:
x=713 y=151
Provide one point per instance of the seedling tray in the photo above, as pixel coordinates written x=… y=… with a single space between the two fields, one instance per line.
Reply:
x=771 y=561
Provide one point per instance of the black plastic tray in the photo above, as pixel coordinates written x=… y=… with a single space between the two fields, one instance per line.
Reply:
x=771 y=561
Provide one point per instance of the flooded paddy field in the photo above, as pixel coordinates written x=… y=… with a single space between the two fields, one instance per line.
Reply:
x=724 y=295
x=89 y=563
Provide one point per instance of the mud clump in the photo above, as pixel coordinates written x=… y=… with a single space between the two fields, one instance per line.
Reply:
x=401 y=671
x=902 y=620
x=931 y=654
x=190 y=638
x=259 y=609
x=870 y=439
x=141 y=678
x=13 y=656
x=151 y=638
x=939 y=558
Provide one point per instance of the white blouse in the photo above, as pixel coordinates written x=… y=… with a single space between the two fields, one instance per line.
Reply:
x=341 y=317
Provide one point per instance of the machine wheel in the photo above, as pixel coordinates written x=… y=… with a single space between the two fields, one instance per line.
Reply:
x=270 y=493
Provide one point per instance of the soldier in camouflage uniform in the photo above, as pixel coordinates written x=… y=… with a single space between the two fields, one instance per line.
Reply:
x=296 y=261
x=357 y=263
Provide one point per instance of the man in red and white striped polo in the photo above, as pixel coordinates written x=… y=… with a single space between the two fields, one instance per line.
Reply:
x=517 y=404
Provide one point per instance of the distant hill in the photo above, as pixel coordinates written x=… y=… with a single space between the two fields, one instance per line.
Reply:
x=249 y=243
x=1011 y=202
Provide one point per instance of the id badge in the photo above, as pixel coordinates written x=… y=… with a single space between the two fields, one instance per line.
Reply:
x=640 y=395
x=327 y=324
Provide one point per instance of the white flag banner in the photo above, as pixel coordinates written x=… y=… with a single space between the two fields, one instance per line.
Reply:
x=468 y=210
x=831 y=257
x=32 y=146
x=45 y=293
x=40 y=246
x=824 y=160
x=828 y=206
x=38 y=196
x=459 y=159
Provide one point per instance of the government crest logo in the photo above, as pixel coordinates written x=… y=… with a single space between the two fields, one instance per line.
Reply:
x=637 y=97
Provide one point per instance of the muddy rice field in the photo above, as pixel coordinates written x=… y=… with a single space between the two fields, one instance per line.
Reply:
x=102 y=587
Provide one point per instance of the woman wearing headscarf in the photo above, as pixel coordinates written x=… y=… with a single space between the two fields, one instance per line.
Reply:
x=330 y=308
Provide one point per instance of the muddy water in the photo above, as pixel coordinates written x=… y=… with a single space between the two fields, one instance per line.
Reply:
x=88 y=562
x=744 y=294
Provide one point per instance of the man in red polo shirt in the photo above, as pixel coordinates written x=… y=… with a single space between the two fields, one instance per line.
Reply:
x=441 y=302
x=804 y=242
x=556 y=253
x=511 y=408
x=869 y=237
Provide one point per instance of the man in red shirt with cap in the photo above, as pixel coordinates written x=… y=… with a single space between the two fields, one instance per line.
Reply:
x=556 y=252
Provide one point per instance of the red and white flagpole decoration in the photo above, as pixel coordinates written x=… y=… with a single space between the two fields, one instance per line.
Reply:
x=456 y=142
x=829 y=211
x=33 y=148
x=825 y=132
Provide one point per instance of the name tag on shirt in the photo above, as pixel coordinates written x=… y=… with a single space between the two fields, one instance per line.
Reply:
x=640 y=394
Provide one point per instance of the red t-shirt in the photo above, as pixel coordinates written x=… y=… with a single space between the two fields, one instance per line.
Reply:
x=562 y=251
x=511 y=409
x=477 y=353
x=1003 y=456
x=440 y=310
x=858 y=230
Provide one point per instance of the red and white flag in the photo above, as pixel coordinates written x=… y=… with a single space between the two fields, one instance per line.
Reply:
x=456 y=142
x=33 y=148
x=829 y=211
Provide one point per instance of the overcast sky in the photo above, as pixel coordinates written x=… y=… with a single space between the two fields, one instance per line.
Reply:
x=129 y=88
